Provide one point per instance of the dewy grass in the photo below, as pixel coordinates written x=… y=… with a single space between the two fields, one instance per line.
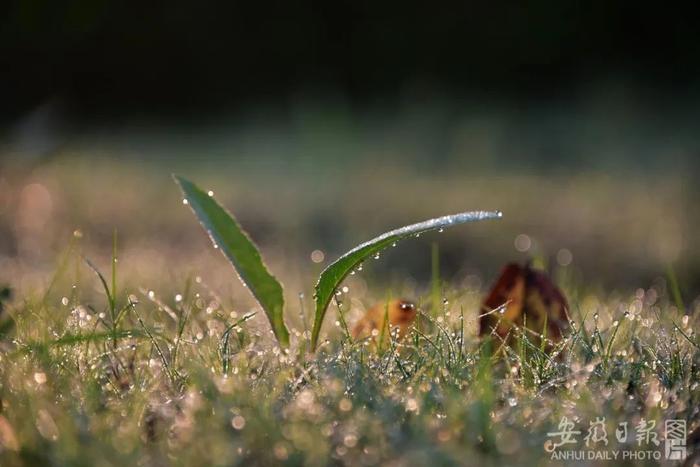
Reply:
x=226 y=397
x=190 y=380
x=237 y=246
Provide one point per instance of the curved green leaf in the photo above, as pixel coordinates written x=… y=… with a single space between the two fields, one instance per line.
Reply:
x=234 y=243
x=333 y=275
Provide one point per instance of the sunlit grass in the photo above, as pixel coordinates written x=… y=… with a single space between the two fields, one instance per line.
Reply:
x=176 y=364
x=180 y=376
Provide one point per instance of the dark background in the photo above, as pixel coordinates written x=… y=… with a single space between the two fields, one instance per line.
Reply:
x=105 y=58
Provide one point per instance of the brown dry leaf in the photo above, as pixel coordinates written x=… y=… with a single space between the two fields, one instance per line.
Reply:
x=401 y=314
x=523 y=295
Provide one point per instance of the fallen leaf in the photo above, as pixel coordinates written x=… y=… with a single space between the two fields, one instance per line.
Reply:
x=401 y=314
x=524 y=296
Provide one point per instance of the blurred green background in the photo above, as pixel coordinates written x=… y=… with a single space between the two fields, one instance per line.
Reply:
x=321 y=125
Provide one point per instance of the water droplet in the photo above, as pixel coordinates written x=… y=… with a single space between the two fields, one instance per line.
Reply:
x=238 y=422
x=317 y=256
x=564 y=257
x=178 y=298
x=522 y=243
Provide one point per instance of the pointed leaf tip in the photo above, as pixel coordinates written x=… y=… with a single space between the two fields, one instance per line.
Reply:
x=226 y=234
x=332 y=276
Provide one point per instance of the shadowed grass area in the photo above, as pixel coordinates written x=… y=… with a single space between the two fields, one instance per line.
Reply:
x=187 y=378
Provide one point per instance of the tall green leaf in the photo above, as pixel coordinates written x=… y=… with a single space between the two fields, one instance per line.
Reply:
x=234 y=243
x=333 y=275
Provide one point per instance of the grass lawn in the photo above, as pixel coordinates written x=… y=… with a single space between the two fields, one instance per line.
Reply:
x=186 y=380
x=191 y=374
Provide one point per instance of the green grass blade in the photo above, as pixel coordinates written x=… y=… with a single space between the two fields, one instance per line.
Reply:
x=235 y=244
x=333 y=275
x=675 y=288
x=75 y=339
x=435 y=286
x=110 y=297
